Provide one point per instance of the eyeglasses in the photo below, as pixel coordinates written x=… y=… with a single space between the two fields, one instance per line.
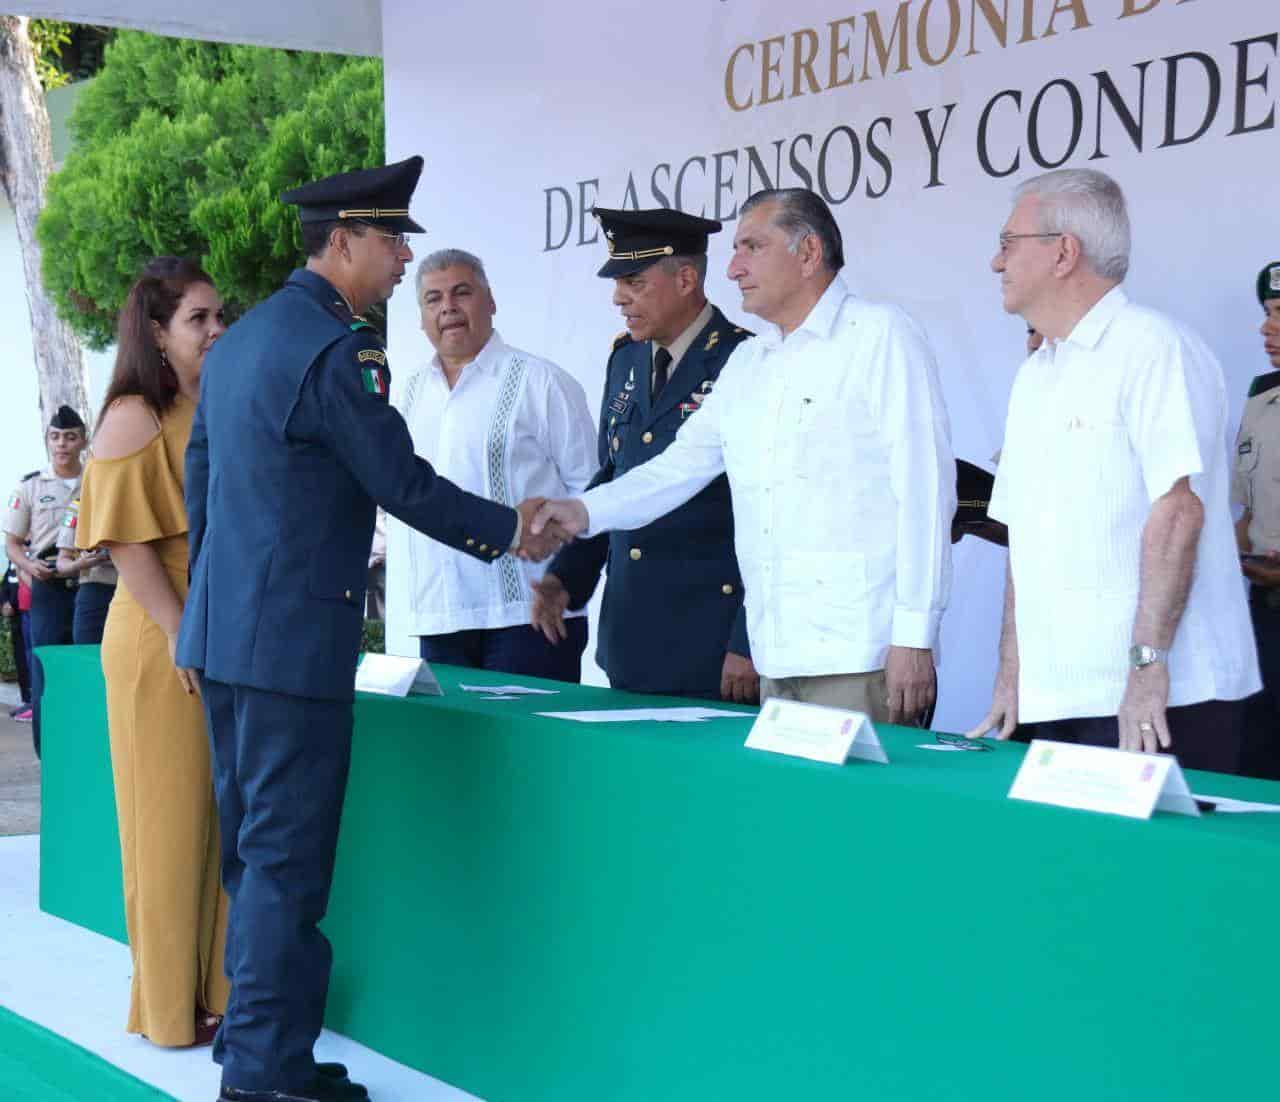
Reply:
x=960 y=742
x=1006 y=239
x=398 y=240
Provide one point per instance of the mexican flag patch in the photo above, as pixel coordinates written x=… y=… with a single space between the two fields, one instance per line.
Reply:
x=15 y=502
x=373 y=383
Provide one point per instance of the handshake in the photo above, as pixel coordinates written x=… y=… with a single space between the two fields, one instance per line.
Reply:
x=546 y=525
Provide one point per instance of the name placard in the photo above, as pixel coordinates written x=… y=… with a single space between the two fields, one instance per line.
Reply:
x=815 y=732
x=1096 y=778
x=393 y=675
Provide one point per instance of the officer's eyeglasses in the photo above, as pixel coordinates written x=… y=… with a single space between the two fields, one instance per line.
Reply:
x=1007 y=239
x=960 y=742
x=398 y=240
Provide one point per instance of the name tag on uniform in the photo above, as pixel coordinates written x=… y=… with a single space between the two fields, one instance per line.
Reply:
x=818 y=733
x=1097 y=778
x=393 y=675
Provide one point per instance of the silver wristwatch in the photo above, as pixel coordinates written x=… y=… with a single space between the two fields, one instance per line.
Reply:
x=1141 y=656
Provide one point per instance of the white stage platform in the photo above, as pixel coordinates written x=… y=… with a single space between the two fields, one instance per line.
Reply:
x=76 y=983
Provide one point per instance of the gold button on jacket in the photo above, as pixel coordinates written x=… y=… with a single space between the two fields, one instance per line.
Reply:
x=647 y=438
x=636 y=553
x=727 y=589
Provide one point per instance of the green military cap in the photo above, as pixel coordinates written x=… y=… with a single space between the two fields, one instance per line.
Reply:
x=1269 y=281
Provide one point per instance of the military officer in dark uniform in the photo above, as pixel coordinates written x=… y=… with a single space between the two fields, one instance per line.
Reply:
x=1256 y=487
x=672 y=620
x=293 y=446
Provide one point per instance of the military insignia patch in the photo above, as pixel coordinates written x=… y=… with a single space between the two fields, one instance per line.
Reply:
x=372 y=379
x=69 y=521
x=372 y=355
x=688 y=409
x=15 y=502
x=712 y=341
x=46 y=498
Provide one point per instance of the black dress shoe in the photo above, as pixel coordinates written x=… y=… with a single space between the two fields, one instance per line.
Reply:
x=324 y=1088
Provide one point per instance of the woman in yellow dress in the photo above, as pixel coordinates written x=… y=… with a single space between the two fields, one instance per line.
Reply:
x=131 y=504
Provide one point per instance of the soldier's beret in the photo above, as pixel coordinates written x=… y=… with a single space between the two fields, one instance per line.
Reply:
x=66 y=418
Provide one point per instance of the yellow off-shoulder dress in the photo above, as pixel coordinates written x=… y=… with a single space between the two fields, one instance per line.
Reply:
x=175 y=908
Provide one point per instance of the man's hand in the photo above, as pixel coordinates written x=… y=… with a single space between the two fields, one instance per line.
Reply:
x=40 y=570
x=537 y=544
x=1264 y=574
x=550 y=600
x=188 y=678
x=1143 y=725
x=912 y=683
x=1003 y=716
x=739 y=681
x=568 y=513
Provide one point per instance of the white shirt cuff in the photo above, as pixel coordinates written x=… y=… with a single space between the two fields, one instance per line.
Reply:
x=915 y=629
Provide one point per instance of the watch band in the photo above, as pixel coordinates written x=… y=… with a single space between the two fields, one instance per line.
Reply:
x=1142 y=655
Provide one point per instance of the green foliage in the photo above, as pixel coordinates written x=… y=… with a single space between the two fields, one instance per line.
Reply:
x=183 y=147
x=48 y=36
x=373 y=640
x=8 y=671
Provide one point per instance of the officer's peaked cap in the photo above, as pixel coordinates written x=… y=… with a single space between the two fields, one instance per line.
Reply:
x=377 y=196
x=638 y=238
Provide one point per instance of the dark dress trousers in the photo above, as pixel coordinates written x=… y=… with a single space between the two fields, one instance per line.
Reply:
x=293 y=446
x=673 y=599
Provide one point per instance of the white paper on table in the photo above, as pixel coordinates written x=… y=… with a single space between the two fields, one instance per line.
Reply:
x=647 y=715
x=816 y=732
x=508 y=690
x=1101 y=778
x=394 y=675
x=1235 y=807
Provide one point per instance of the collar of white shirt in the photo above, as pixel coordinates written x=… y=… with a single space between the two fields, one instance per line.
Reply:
x=490 y=358
x=820 y=321
x=1089 y=329
x=680 y=345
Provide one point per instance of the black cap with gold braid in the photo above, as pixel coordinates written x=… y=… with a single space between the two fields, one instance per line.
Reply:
x=378 y=196
x=638 y=238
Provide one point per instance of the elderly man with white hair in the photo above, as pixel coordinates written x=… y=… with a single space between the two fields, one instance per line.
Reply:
x=1124 y=617
x=506 y=425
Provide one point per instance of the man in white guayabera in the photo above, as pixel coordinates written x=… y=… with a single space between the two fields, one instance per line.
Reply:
x=1124 y=617
x=506 y=425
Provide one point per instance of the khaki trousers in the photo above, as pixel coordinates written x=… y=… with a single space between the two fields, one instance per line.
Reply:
x=858 y=692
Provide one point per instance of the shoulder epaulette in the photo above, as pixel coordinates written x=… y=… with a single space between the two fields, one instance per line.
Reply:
x=28 y=477
x=739 y=329
x=1264 y=383
x=622 y=338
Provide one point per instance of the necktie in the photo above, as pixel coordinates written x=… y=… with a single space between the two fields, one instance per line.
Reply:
x=661 y=366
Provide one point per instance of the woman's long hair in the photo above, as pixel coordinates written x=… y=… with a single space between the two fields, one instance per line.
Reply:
x=139 y=368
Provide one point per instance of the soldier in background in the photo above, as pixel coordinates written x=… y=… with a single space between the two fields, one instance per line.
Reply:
x=1256 y=487
x=95 y=575
x=35 y=514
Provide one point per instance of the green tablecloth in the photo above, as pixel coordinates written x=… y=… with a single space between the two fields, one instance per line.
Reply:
x=534 y=909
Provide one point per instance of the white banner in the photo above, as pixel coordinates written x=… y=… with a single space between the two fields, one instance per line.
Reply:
x=913 y=119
